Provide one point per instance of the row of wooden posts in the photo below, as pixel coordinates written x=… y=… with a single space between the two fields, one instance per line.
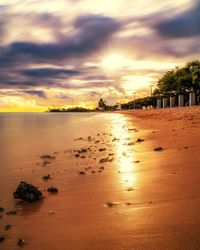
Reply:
x=163 y=103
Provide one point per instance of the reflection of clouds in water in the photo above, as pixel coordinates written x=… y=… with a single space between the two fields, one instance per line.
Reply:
x=125 y=156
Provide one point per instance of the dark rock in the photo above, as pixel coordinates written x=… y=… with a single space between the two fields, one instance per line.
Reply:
x=52 y=190
x=82 y=150
x=1 y=209
x=1 y=216
x=47 y=157
x=102 y=149
x=77 y=155
x=21 y=242
x=46 y=177
x=158 y=149
x=139 y=140
x=7 y=227
x=12 y=212
x=46 y=162
x=2 y=238
x=27 y=192
x=82 y=173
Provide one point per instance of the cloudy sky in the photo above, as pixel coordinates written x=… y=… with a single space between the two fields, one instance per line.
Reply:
x=56 y=51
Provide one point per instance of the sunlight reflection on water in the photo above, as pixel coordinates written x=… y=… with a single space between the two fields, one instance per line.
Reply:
x=125 y=154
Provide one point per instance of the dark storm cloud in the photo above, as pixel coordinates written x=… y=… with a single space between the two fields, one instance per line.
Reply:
x=184 y=25
x=93 y=33
x=48 y=72
x=39 y=93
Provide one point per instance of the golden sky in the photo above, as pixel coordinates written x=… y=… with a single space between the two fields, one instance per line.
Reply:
x=53 y=52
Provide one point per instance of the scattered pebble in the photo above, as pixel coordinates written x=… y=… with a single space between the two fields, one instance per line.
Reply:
x=139 y=140
x=11 y=212
x=52 y=190
x=2 y=238
x=158 y=149
x=46 y=177
x=81 y=173
x=21 y=242
x=7 y=227
x=47 y=157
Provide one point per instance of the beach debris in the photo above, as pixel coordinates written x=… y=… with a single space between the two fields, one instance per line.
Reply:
x=83 y=156
x=139 y=140
x=11 y=212
x=1 y=209
x=93 y=172
x=52 y=190
x=77 y=155
x=47 y=157
x=21 y=242
x=27 y=192
x=1 y=216
x=81 y=173
x=158 y=149
x=46 y=177
x=129 y=189
x=131 y=144
x=8 y=226
x=2 y=238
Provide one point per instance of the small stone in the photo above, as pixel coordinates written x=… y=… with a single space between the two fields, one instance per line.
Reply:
x=111 y=204
x=47 y=157
x=2 y=238
x=12 y=212
x=21 y=242
x=7 y=227
x=82 y=173
x=1 y=209
x=139 y=140
x=46 y=162
x=158 y=149
x=46 y=177
x=52 y=190
x=102 y=149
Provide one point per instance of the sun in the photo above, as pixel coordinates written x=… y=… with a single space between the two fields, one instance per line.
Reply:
x=114 y=62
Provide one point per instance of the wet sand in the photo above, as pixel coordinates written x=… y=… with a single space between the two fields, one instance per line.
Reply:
x=130 y=197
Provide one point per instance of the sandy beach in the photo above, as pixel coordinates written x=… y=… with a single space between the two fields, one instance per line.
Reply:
x=129 y=196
